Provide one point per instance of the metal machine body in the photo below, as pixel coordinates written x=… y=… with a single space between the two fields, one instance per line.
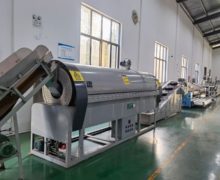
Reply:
x=170 y=104
x=72 y=103
x=67 y=132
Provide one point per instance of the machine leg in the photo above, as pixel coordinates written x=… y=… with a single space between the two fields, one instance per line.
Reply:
x=138 y=123
x=155 y=120
x=2 y=166
x=116 y=130
x=81 y=142
x=18 y=145
x=68 y=146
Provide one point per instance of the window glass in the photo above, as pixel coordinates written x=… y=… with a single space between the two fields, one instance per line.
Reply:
x=115 y=32
x=100 y=39
x=197 y=73
x=85 y=50
x=105 y=54
x=106 y=29
x=85 y=20
x=95 y=52
x=161 y=53
x=184 y=68
x=165 y=53
x=160 y=60
x=96 y=24
x=113 y=56
x=158 y=51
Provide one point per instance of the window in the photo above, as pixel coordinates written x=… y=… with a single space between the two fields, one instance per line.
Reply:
x=184 y=66
x=160 y=62
x=100 y=39
x=197 y=73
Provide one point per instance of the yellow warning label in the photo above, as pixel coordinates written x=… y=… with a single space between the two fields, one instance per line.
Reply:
x=76 y=75
x=125 y=80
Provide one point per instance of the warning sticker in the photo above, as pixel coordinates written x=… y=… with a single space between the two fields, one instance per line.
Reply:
x=125 y=80
x=77 y=76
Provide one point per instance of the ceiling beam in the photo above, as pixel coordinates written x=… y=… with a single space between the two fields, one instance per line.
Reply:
x=207 y=18
x=211 y=33
x=214 y=42
x=216 y=47
x=180 y=1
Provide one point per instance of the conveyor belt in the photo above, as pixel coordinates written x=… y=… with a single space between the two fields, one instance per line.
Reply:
x=19 y=73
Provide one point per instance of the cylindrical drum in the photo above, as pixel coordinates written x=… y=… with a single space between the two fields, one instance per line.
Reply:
x=97 y=80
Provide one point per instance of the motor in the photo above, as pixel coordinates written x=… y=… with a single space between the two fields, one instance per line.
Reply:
x=6 y=147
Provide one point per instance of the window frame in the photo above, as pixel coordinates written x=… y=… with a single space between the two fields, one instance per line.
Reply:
x=184 y=66
x=197 y=72
x=163 y=61
x=101 y=40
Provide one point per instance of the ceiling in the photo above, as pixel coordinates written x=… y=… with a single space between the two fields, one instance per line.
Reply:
x=205 y=14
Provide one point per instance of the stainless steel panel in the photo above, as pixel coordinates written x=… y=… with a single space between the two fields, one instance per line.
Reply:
x=52 y=121
x=106 y=80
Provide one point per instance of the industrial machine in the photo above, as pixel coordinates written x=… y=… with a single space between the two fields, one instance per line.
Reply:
x=198 y=95
x=78 y=110
x=90 y=110
x=18 y=73
x=7 y=149
x=169 y=105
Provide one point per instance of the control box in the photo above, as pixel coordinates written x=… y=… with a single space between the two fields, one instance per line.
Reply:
x=126 y=127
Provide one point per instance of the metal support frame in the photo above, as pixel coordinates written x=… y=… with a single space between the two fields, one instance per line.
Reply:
x=116 y=130
x=81 y=144
x=214 y=43
x=216 y=47
x=24 y=99
x=180 y=1
x=18 y=145
x=211 y=33
x=207 y=18
x=138 y=123
x=82 y=155
x=13 y=113
x=209 y=15
x=155 y=118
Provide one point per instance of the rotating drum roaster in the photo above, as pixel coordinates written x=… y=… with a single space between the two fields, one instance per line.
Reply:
x=83 y=97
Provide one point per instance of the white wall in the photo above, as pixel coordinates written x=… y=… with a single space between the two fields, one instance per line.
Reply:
x=165 y=22
x=184 y=41
x=216 y=64
x=5 y=35
x=161 y=20
x=60 y=24
x=6 y=28
x=158 y=24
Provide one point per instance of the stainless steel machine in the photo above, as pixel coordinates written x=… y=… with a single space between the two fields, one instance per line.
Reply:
x=79 y=111
x=170 y=104
x=88 y=110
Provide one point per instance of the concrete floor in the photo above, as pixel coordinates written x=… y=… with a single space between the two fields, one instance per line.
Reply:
x=186 y=146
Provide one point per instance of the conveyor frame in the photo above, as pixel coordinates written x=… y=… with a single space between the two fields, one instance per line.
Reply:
x=23 y=99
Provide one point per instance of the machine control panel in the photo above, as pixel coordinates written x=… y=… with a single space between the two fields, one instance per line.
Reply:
x=126 y=127
x=129 y=127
